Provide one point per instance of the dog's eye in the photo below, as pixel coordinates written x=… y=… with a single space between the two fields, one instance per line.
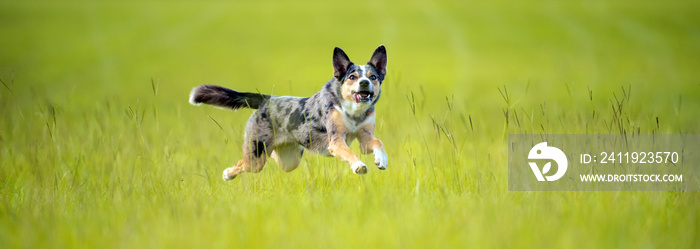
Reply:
x=373 y=77
x=351 y=77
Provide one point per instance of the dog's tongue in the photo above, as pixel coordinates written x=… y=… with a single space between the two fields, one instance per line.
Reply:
x=360 y=96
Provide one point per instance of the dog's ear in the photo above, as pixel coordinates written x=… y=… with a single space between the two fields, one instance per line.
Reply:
x=341 y=63
x=378 y=60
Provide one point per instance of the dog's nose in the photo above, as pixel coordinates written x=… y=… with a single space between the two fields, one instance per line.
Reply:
x=364 y=83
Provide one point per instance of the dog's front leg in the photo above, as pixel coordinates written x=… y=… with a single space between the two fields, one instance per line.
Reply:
x=337 y=132
x=338 y=148
x=370 y=144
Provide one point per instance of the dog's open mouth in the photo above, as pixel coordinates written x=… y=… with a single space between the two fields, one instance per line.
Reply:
x=363 y=96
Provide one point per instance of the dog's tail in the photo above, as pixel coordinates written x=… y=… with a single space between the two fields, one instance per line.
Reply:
x=226 y=98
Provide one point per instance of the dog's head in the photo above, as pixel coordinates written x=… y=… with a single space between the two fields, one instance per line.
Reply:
x=360 y=84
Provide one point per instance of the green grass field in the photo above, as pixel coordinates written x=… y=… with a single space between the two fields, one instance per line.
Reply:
x=99 y=147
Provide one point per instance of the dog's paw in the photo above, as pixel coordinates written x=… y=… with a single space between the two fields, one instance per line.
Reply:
x=359 y=168
x=381 y=159
x=227 y=176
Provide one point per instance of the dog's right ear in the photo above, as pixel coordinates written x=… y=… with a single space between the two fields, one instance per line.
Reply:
x=341 y=63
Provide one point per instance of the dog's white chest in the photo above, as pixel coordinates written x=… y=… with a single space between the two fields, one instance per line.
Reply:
x=351 y=125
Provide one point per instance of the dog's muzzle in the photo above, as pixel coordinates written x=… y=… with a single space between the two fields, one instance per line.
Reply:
x=364 y=93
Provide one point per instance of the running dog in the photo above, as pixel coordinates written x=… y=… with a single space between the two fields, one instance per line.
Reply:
x=325 y=123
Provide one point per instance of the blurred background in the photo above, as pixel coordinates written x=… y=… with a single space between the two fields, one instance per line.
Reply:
x=99 y=146
x=115 y=48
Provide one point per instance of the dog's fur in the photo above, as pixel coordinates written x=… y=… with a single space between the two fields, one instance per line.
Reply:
x=325 y=123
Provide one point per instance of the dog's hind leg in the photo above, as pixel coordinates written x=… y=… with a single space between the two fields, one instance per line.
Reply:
x=256 y=147
x=253 y=161
x=287 y=156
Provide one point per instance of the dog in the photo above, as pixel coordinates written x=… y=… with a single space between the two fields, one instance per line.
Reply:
x=283 y=127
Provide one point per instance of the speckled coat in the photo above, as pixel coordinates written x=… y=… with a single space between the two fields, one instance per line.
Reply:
x=283 y=127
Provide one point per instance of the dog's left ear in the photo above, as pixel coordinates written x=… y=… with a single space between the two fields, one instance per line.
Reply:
x=378 y=60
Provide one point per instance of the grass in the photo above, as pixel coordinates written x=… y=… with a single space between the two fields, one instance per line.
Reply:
x=100 y=149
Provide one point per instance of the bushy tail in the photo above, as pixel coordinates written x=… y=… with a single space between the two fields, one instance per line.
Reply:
x=226 y=98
